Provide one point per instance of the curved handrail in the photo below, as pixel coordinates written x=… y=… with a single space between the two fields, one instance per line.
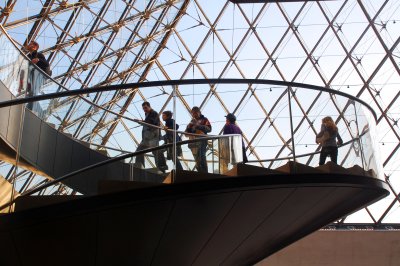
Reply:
x=185 y=82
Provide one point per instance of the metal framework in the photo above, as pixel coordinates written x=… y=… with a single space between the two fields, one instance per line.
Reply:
x=350 y=46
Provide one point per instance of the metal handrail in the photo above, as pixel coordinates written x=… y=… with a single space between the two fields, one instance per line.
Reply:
x=172 y=82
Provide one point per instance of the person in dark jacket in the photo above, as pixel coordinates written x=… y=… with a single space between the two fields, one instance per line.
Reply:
x=169 y=137
x=231 y=128
x=199 y=125
x=150 y=138
x=36 y=80
x=327 y=138
x=38 y=58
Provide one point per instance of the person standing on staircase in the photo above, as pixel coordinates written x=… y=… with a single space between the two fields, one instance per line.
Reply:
x=169 y=138
x=327 y=138
x=231 y=128
x=36 y=80
x=199 y=125
x=38 y=58
x=151 y=138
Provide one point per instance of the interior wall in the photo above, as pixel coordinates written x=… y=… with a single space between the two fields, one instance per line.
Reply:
x=355 y=248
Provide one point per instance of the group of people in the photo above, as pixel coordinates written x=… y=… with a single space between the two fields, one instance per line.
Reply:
x=199 y=125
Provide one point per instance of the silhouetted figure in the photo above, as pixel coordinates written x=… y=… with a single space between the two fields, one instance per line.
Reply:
x=231 y=128
x=151 y=138
x=327 y=138
x=169 y=138
x=38 y=58
x=36 y=79
x=199 y=125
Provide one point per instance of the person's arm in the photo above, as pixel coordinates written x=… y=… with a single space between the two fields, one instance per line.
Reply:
x=189 y=127
x=205 y=127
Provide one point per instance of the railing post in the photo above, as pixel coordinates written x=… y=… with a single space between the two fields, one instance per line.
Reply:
x=174 y=159
x=212 y=156
x=291 y=129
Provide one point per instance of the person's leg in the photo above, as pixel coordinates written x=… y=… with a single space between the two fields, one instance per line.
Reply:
x=160 y=160
x=37 y=90
x=323 y=155
x=178 y=164
x=169 y=153
x=195 y=152
x=159 y=157
x=334 y=154
x=203 y=167
x=139 y=160
x=245 y=160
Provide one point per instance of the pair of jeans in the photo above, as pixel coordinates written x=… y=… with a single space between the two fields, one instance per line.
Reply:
x=332 y=151
x=170 y=154
x=200 y=157
x=158 y=154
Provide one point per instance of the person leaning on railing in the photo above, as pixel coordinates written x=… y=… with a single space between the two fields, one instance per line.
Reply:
x=38 y=58
x=36 y=80
x=150 y=138
x=169 y=137
x=231 y=128
x=327 y=138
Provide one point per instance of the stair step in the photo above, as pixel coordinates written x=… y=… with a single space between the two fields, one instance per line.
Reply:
x=246 y=170
x=31 y=202
x=183 y=176
x=110 y=186
x=298 y=168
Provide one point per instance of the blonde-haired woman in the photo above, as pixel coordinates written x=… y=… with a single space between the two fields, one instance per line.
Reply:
x=327 y=138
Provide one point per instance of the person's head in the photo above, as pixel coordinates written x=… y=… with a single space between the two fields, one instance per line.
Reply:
x=196 y=113
x=33 y=46
x=146 y=107
x=329 y=123
x=166 y=115
x=231 y=118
